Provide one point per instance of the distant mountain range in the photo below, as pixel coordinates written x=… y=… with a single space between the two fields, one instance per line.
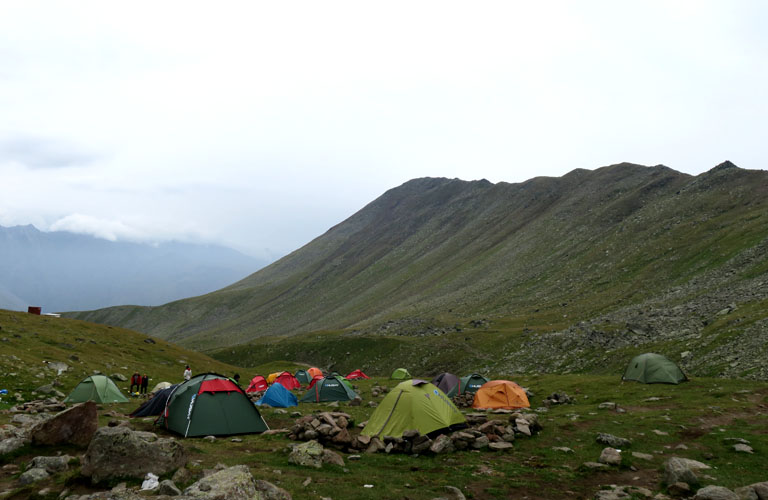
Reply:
x=62 y=271
x=543 y=255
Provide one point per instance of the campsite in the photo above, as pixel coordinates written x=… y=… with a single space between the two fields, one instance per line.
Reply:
x=702 y=419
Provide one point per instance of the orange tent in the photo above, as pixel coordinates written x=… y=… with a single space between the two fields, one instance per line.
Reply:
x=272 y=376
x=314 y=372
x=500 y=394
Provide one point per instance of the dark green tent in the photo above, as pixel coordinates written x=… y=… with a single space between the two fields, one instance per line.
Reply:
x=210 y=405
x=328 y=389
x=469 y=384
x=303 y=377
x=98 y=388
x=650 y=368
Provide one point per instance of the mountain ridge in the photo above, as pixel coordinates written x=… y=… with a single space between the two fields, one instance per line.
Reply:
x=452 y=249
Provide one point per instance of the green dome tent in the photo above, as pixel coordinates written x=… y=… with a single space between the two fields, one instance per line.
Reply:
x=303 y=377
x=98 y=388
x=469 y=384
x=328 y=389
x=650 y=368
x=400 y=374
x=210 y=405
x=413 y=404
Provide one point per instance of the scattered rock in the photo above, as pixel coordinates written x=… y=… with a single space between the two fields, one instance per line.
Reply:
x=715 y=493
x=610 y=456
x=614 y=492
x=119 y=377
x=333 y=458
x=271 y=492
x=679 y=489
x=613 y=441
x=309 y=454
x=743 y=448
x=33 y=475
x=51 y=464
x=76 y=425
x=120 y=452
x=677 y=470
x=167 y=487
x=232 y=483
x=642 y=456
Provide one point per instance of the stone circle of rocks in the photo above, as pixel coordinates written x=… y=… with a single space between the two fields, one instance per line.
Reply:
x=495 y=434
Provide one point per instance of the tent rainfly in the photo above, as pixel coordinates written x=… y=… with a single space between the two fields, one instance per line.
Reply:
x=97 y=388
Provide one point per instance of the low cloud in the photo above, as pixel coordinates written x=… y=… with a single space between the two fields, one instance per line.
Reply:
x=40 y=152
x=111 y=230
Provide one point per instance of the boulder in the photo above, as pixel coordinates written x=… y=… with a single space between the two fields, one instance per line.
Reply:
x=715 y=493
x=333 y=458
x=167 y=487
x=232 y=483
x=746 y=493
x=309 y=454
x=761 y=489
x=613 y=441
x=610 y=456
x=119 y=377
x=679 y=489
x=442 y=444
x=678 y=470
x=271 y=492
x=76 y=425
x=614 y=492
x=453 y=493
x=743 y=448
x=499 y=446
x=116 y=452
x=33 y=475
x=51 y=464
x=11 y=444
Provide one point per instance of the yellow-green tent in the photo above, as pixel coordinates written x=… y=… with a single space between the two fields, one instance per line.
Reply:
x=413 y=405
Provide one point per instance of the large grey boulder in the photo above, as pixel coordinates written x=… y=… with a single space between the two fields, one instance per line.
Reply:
x=232 y=483
x=51 y=464
x=75 y=425
x=678 y=470
x=309 y=454
x=116 y=452
x=715 y=493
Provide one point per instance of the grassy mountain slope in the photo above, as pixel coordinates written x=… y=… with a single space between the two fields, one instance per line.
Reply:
x=29 y=342
x=546 y=253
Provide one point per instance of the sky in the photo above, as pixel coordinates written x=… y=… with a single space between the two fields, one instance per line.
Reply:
x=260 y=125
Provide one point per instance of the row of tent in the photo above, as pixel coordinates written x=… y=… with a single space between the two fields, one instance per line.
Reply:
x=301 y=378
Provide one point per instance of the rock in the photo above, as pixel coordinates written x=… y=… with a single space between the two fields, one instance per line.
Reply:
x=232 y=483
x=120 y=452
x=45 y=389
x=333 y=458
x=564 y=449
x=271 y=492
x=182 y=476
x=610 y=456
x=715 y=493
x=356 y=401
x=421 y=444
x=743 y=448
x=453 y=493
x=11 y=444
x=607 y=406
x=442 y=444
x=51 y=464
x=614 y=492
x=677 y=470
x=119 y=377
x=33 y=475
x=642 y=456
x=309 y=454
x=480 y=443
x=660 y=433
x=76 y=425
x=746 y=493
x=613 y=441
x=57 y=366
x=499 y=446
x=761 y=489
x=167 y=487
x=679 y=489
x=594 y=465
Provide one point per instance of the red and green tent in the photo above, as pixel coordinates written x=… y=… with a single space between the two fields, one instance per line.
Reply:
x=210 y=405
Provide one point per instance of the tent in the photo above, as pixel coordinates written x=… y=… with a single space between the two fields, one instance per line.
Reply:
x=650 y=368
x=328 y=389
x=467 y=385
x=357 y=374
x=287 y=380
x=314 y=372
x=278 y=396
x=210 y=404
x=258 y=383
x=98 y=388
x=501 y=394
x=154 y=405
x=413 y=404
x=314 y=380
x=160 y=386
x=303 y=377
x=400 y=374
x=446 y=381
x=272 y=376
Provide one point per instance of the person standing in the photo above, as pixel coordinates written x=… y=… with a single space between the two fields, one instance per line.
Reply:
x=187 y=374
x=135 y=380
x=144 y=383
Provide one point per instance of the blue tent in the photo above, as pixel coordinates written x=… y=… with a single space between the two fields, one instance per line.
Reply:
x=278 y=396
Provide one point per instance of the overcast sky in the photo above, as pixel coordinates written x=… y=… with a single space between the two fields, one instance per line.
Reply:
x=260 y=125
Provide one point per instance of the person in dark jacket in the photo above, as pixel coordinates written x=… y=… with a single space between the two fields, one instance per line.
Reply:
x=144 y=383
x=135 y=380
